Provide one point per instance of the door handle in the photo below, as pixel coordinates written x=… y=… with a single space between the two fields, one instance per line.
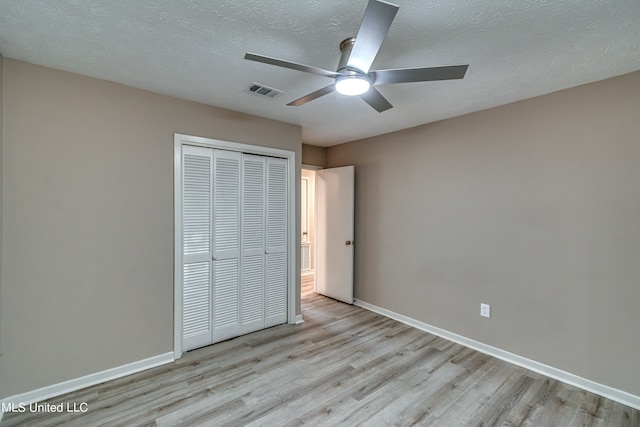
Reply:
x=349 y=242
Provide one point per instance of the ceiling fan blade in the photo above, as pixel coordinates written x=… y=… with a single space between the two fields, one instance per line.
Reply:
x=409 y=75
x=313 y=95
x=376 y=100
x=290 y=65
x=374 y=27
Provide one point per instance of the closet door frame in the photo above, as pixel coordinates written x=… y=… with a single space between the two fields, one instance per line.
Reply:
x=181 y=140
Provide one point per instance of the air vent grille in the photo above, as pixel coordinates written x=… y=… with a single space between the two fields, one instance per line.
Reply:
x=264 y=91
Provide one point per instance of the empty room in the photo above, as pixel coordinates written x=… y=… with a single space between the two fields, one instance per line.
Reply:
x=277 y=213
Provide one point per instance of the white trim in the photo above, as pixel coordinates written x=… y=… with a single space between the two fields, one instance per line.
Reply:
x=233 y=146
x=59 y=389
x=299 y=319
x=549 y=371
x=178 y=141
x=177 y=243
x=311 y=167
x=294 y=269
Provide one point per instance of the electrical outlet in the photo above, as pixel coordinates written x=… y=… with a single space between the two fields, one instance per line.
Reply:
x=485 y=310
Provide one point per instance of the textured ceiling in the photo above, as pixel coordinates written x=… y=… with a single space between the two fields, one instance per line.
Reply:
x=191 y=49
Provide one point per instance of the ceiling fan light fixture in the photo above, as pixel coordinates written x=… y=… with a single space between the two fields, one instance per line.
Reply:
x=353 y=75
x=352 y=85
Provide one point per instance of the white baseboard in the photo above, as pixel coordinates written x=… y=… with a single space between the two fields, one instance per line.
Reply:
x=549 y=371
x=298 y=319
x=88 y=380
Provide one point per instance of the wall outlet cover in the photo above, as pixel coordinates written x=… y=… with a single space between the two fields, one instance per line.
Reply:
x=485 y=310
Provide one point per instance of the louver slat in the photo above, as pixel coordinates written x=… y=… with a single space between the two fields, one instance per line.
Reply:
x=276 y=205
x=226 y=308
x=196 y=204
x=196 y=298
x=276 y=289
x=253 y=203
x=226 y=206
x=252 y=292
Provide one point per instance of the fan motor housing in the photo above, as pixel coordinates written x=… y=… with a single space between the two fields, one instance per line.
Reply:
x=345 y=47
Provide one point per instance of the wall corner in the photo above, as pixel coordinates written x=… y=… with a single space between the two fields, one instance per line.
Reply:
x=314 y=156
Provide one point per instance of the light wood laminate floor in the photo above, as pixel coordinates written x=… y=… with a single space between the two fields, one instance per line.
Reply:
x=344 y=366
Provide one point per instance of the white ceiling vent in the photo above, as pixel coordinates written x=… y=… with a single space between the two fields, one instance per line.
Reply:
x=262 y=90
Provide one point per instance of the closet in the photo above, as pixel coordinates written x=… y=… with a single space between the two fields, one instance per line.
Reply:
x=234 y=244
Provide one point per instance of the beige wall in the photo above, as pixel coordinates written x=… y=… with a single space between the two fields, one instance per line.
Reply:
x=532 y=207
x=314 y=156
x=88 y=219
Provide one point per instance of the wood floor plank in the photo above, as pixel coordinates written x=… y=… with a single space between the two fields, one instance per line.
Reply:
x=343 y=366
x=387 y=407
x=459 y=396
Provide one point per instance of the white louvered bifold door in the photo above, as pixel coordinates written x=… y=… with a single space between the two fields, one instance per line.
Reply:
x=253 y=243
x=226 y=244
x=234 y=210
x=197 y=169
x=276 y=244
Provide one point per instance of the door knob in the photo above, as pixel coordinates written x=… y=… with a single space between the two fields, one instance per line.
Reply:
x=349 y=242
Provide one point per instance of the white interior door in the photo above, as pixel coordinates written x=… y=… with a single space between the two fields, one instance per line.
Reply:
x=335 y=209
x=235 y=223
x=253 y=245
x=226 y=244
x=234 y=271
x=276 y=242
x=197 y=174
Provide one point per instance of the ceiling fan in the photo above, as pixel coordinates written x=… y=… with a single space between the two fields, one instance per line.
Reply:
x=353 y=75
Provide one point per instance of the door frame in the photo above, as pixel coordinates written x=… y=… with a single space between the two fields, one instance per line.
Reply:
x=292 y=269
x=313 y=224
x=315 y=169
